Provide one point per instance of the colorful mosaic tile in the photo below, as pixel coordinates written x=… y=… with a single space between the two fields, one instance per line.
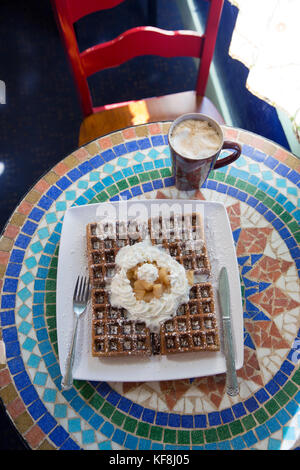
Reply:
x=262 y=197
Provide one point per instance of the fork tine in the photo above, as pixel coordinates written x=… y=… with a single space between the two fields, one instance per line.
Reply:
x=83 y=290
x=76 y=288
x=87 y=292
x=79 y=289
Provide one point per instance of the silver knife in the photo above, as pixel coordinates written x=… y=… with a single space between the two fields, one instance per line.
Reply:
x=232 y=386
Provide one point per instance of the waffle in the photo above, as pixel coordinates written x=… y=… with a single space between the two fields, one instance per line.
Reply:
x=193 y=328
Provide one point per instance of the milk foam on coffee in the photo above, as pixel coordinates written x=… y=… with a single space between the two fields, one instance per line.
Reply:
x=195 y=139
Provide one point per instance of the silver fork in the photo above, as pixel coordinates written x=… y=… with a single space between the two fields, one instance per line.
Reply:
x=80 y=299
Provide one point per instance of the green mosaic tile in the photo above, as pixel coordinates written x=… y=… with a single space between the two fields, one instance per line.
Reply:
x=96 y=401
x=51 y=285
x=277 y=209
x=122 y=185
x=294 y=227
x=296 y=377
x=107 y=409
x=197 y=437
x=130 y=424
x=230 y=180
x=143 y=429
x=261 y=415
x=51 y=322
x=53 y=339
x=281 y=397
x=117 y=418
x=144 y=177
x=241 y=184
x=272 y=406
x=211 y=435
x=133 y=180
x=112 y=190
x=156 y=433
x=269 y=202
x=103 y=196
x=297 y=237
x=94 y=201
x=169 y=436
x=50 y=310
x=260 y=195
x=290 y=388
x=236 y=427
x=52 y=273
x=248 y=422
x=50 y=297
x=54 y=262
x=87 y=391
x=165 y=172
x=154 y=174
x=286 y=217
x=183 y=437
x=250 y=189
x=223 y=432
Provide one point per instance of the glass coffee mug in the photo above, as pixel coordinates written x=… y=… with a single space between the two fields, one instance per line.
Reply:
x=191 y=171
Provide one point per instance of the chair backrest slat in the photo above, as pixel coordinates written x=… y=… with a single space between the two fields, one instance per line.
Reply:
x=141 y=41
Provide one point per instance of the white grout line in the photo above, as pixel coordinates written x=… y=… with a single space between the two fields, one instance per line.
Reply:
x=2 y=353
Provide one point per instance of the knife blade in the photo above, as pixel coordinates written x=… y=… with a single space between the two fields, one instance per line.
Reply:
x=232 y=386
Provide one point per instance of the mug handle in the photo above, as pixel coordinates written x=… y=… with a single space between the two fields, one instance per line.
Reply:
x=230 y=158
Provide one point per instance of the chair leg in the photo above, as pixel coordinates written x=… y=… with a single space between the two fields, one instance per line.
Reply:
x=152 y=12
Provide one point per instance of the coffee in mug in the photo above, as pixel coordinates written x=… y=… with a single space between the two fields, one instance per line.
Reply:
x=196 y=141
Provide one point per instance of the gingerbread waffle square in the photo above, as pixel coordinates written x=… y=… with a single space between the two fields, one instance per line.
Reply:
x=194 y=328
x=112 y=333
x=183 y=237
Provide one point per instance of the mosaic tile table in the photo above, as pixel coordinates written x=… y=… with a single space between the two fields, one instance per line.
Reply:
x=262 y=196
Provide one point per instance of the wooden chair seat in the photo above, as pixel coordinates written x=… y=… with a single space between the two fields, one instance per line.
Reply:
x=162 y=108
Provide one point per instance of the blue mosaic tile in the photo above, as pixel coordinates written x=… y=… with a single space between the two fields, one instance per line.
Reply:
x=63 y=183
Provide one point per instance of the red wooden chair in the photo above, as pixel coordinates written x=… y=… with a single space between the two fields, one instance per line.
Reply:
x=143 y=40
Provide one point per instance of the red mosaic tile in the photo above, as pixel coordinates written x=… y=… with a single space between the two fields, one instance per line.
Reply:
x=252 y=240
x=269 y=269
x=11 y=231
x=234 y=214
x=154 y=128
x=4 y=377
x=25 y=207
x=81 y=154
x=61 y=169
x=230 y=133
x=4 y=257
x=173 y=390
x=34 y=436
x=105 y=143
x=274 y=301
x=212 y=387
x=15 y=408
x=42 y=186
x=129 y=386
x=129 y=133
x=281 y=154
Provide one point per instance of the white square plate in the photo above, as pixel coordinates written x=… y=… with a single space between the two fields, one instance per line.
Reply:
x=73 y=261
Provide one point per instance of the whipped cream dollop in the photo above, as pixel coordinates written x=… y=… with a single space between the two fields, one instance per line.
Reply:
x=147 y=272
x=156 y=311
